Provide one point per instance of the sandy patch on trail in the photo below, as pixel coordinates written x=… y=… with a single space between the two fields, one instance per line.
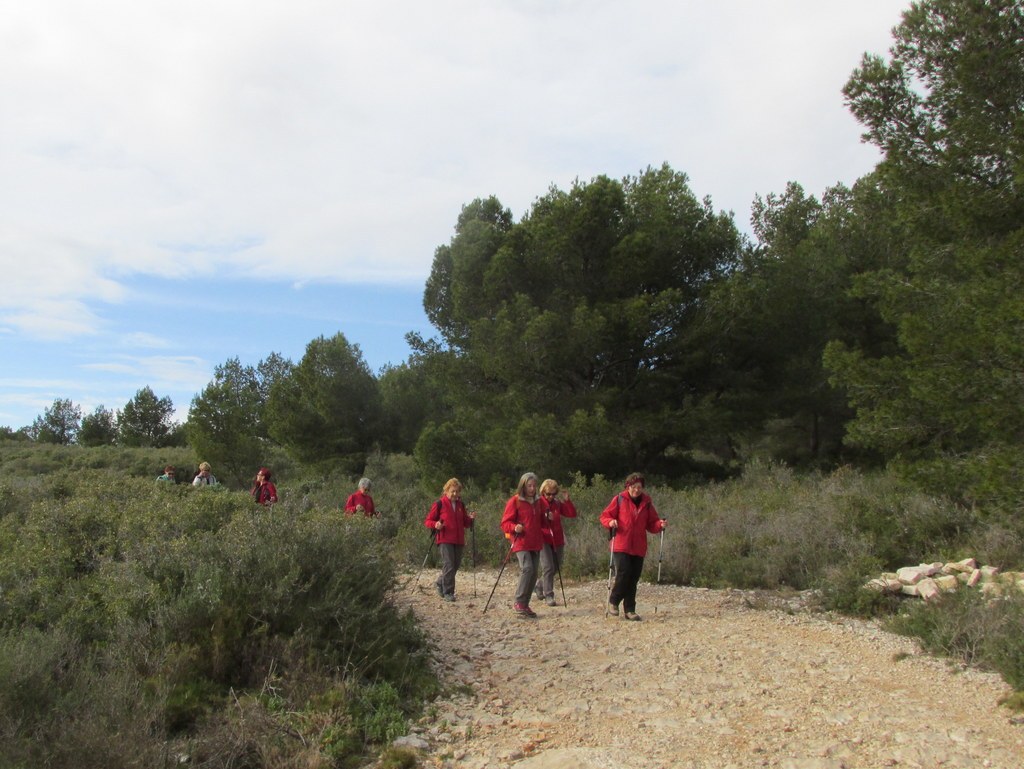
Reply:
x=704 y=682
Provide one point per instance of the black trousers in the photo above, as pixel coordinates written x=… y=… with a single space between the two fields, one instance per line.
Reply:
x=627 y=574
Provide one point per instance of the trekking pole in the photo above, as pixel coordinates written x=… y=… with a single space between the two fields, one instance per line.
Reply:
x=472 y=534
x=611 y=551
x=500 y=572
x=661 y=547
x=425 y=559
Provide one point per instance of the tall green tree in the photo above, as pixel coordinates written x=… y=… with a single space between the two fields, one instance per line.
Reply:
x=947 y=110
x=146 y=420
x=58 y=424
x=327 y=409
x=569 y=326
x=226 y=424
x=98 y=428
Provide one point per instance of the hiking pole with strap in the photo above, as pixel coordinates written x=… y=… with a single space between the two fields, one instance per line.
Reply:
x=611 y=551
x=500 y=572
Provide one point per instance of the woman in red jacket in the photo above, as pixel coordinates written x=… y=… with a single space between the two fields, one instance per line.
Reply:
x=449 y=520
x=554 y=537
x=360 y=501
x=263 y=491
x=628 y=518
x=522 y=522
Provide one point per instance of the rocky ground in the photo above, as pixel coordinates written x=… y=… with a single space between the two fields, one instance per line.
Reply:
x=706 y=681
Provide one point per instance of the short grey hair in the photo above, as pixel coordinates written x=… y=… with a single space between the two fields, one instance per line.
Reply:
x=364 y=483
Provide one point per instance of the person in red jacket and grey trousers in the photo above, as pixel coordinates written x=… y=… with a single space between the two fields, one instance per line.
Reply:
x=449 y=520
x=523 y=520
x=629 y=517
x=554 y=537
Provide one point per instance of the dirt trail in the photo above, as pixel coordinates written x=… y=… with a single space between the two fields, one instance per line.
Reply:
x=703 y=682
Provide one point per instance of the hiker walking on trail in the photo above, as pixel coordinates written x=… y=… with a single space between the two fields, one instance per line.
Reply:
x=449 y=520
x=263 y=491
x=522 y=522
x=554 y=537
x=629 y=517
x=360 y=501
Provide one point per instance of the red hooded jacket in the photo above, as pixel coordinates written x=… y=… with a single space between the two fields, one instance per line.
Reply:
x=635 y=520
x=553 y=533
x=533 y=518
x=454 y=520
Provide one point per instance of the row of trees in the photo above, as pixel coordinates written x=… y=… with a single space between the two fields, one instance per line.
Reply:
x=144 y=421
x=626 y=324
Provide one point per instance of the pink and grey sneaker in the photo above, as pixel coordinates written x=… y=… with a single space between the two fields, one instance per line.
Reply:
x=524 y=610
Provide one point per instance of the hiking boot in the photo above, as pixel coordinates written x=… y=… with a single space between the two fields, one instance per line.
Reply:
x=550 y=601
x=440 y=590
x=613 y=610
x=450 y=598
x=524 y=610
x=632 y=615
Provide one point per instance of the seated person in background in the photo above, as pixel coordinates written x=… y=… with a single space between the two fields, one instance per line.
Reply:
x=168 y=476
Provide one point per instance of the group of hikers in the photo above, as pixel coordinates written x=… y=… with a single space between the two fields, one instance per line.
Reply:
x=532 y=521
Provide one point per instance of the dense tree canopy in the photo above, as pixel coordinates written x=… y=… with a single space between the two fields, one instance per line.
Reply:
x=327 y=408
x=98 y=428
x=569 y=328
x=58 y=424
x=947 y=110
x=146 y=420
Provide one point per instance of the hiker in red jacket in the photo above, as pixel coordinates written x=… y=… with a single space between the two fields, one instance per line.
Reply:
x=449 y=520
x=360 y=501
x=522 y=523
x=263 y=491
x=554 y=537
x=629 y=517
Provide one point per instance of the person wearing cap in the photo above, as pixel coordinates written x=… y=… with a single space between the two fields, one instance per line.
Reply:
x=449 y=520
x=360 y=501
x=522 y=522
x=168 y=476
x=263 y=490
x=554 y=537
x=629 y=517
x=204 y=477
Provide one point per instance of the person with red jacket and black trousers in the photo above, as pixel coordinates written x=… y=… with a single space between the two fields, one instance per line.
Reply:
x=554 y=537
x=523 y=520
x=449 y=520
x=629 y=517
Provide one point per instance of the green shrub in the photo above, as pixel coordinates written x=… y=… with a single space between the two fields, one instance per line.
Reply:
x=971 y=629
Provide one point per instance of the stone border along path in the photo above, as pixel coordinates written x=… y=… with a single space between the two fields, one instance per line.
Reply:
x=703 y=682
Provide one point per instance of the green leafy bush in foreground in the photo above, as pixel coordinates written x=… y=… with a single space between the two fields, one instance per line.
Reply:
x=141 y=623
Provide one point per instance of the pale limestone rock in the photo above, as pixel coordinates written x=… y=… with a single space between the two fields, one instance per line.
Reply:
x=989 y=572
x=974 y=579
x=909 y=590
x=947 y=582
x=927 y=589
x=910 y=575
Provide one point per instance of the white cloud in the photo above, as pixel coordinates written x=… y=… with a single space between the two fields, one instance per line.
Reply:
x=337 y=141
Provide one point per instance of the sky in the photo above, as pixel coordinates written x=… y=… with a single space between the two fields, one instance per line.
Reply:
x=191 y=181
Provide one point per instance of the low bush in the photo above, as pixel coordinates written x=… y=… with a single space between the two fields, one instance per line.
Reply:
x=970 y=628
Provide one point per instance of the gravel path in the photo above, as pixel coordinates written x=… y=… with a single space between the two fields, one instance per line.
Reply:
x=703 y=682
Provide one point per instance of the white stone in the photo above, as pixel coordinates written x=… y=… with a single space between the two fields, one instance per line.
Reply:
x=910 y=575
x=975 y=578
